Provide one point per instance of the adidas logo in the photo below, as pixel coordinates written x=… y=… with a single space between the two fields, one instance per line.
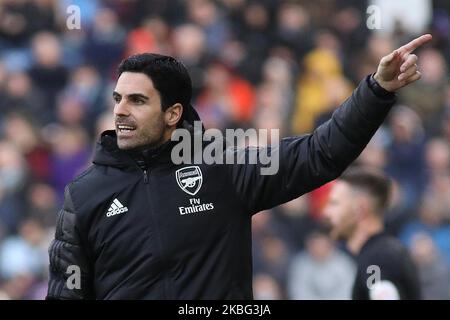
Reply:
x=116 y=208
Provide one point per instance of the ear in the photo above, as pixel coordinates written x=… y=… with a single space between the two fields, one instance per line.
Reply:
x=173 y=114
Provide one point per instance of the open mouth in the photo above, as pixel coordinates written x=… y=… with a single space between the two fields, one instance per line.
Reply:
x=123 y=128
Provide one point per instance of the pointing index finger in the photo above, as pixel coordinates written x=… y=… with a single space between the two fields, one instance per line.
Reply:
x=414 y=44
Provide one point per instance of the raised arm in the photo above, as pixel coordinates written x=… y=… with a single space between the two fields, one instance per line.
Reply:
x=309 y=161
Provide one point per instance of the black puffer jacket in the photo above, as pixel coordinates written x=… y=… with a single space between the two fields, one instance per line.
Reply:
x=148 y=229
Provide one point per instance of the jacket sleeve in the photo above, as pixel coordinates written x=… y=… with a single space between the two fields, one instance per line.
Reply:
x=309 y=161
x=70 y=274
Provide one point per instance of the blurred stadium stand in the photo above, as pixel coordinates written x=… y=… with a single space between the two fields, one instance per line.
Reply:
x=263 y=64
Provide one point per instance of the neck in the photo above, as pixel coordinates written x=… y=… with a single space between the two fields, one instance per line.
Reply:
x=363 y=232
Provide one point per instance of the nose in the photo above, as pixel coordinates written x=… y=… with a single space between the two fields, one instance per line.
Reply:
x=121 y=109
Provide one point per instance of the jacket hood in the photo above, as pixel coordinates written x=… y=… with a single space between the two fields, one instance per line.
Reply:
x=108 y=153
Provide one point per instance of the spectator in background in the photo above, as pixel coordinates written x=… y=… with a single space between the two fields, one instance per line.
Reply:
x=227 y=98
x=293 y=23
x=275 y=259
x=20 y=20
x=348 y=23
x=23 y=261
x=275 y=95
x=433 y=271
x=438 y=161
x=17 y=287
x=254 y=44
x=21 y=96
x=408 y=142
x=265 y=287
x=13 y=179
x=24 y=253
x=205 y=14
x=105 y=43
x=26 y=137
x=42 y=205
x=440 y=26
x=70 y=155
x=430 y=222
x=265 y=259
x=292 y=222
x=321 y=272
x=374 y=155
x=46 y=15
x=71 y=111
x=16 y=18
x=430 y=97
x=151 y=36
x=86 y=85
x=269 y=112
x=189 y=44
x=321 y=88
x=48 y=74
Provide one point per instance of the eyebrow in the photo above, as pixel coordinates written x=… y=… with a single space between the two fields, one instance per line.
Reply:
x=132 y=95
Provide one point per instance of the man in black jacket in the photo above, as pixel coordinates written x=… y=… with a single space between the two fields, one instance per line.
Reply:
x=135 y=225
x=355 y=209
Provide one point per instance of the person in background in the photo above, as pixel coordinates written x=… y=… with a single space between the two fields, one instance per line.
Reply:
x=385 y=270
x=321 y=272
x=433 y=271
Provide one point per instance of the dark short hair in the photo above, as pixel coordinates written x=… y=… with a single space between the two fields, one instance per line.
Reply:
x=372 y=182
x=169 y=77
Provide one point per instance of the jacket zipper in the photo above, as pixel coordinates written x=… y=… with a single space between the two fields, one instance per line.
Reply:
x=166 y=284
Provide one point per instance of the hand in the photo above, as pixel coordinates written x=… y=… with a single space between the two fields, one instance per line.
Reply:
x=399 y=68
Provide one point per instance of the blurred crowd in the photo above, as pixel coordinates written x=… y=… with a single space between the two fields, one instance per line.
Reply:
x=260 y=64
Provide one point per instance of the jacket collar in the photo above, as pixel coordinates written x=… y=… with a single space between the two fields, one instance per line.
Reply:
x=108 y=153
